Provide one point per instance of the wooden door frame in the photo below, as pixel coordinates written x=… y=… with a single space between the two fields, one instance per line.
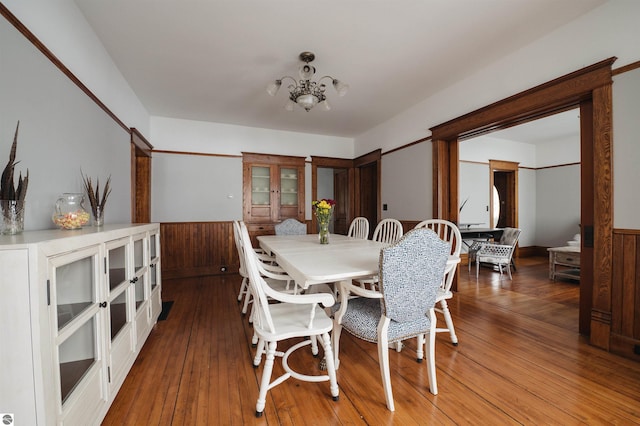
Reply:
x=333 y=163
x=140 y=178
x=362 y=161
x=590 y=88
x=511 y=167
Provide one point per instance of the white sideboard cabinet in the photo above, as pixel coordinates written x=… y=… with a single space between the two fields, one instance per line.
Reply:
x=76 y=306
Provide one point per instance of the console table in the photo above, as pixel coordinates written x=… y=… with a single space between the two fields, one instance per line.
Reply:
x=564 y=262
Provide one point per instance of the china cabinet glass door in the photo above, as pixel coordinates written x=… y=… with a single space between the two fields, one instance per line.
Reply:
x=77 y=317
x=139 y=269
x=261 y=185
x=288 y=187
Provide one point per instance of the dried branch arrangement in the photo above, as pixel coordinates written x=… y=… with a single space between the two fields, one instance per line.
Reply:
x=7 y=189
x=97 y=202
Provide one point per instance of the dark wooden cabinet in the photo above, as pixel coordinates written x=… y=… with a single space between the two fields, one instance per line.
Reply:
x=273 y=190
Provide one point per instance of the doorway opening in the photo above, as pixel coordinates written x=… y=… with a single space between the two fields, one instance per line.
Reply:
x=590 y=89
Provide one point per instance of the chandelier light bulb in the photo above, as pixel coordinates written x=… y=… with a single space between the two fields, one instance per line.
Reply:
x=306 y=92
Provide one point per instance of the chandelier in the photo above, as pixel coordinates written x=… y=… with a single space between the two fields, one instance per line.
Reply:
x=306 y=92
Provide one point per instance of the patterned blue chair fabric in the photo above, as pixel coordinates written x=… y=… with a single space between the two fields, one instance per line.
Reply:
x=291 y=227
x=411 y=272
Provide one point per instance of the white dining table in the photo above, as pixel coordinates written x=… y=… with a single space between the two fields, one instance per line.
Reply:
x=345 y=258
x=308 y=262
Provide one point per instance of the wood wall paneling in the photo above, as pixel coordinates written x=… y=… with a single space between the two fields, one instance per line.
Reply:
x=197 y=248
x=625 y=294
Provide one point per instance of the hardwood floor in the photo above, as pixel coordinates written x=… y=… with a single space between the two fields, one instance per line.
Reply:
x=520 y=361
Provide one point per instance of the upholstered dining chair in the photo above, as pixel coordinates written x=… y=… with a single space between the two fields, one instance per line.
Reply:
x=499 y=254
x=359 y=228
x=448 y=232
x=295 y=316
x=291 y=227
x=410 y=275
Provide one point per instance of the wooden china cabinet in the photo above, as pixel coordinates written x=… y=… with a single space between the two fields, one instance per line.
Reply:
x=273 y=190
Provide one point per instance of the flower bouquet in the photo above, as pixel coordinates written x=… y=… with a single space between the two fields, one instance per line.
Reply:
x=323 y=209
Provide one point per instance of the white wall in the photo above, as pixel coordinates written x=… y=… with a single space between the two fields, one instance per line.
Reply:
x=610 y=30
x=474 y=192
x=548 y=198
x=406 y=178
x=62 y=131
x=221 y=198
x=60 y=25
x=557 y=208
x=626 y=150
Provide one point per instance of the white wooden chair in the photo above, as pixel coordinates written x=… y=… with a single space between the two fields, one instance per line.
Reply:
x=274 y=275
x=410 y=275
x=359 y=228
x=448 y=232
x=296 y=316
x=387 y=231
x=291 y=227
x=501 y=253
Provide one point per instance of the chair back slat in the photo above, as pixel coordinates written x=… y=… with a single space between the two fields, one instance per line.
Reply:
x=447 y=231
x=388 y=231
x=359 y=228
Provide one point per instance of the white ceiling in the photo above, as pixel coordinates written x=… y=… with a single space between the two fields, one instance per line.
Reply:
x=211 y=60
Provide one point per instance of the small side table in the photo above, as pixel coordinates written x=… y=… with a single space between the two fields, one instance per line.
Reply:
x=564 y=262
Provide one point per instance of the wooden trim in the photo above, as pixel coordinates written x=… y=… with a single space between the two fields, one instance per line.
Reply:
x=11 y=18
x=428 y=138
x=508 y=166
x=632 y=66
x=553 y=167
x=204 y=154
x=252 y=157
x=626 y=231
x=592 y=83
x=371 y=157
x=603 y=215
x=484 y=163
x=542 y=100
x=337 y=163
x=363 y=160
x=142 y=144
x=140 y=178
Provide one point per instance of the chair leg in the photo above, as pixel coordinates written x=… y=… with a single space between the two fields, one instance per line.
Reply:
x=266 y=378
x=243 y=289
x=449 y=321
x=314 y=345
x=477 y=268
x=247 y=300
x=383 y=359
x=420 y=348
x=259 y=351
x=331 y=367
x=509 y=271
x=335 y=337
x=431 y=355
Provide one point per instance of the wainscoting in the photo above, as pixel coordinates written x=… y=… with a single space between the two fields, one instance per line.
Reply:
x=625 y=294
x=192 y=249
